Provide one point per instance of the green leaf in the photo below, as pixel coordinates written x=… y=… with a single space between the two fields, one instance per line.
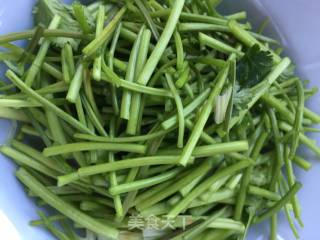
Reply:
x=46 y=9
x=241 y=99
x=253 y=66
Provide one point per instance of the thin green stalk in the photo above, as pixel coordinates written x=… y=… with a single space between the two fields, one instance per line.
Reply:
x=99 y=28
x=162 y=43
x=32 y=45
x=218 y=234
x=76 y=83
x=115 y=166
x=206 y=40
x=9 y=56
x=141 y=138
x=48 y=33
x=111 y=62
x=65 y=66
x=93 y=117
x=127 y=95
x=111 y=77
x=226 y=223
x=180 y=114
x=273 y=227
x=229 y=110
x=87 y=84
x=261 y=192
x=146 y=14
x=36 y=155
x=192 y=17
x=29 y=130
x=26 y=161
x=204 y=136
x=187 y=110
x=89 y=146
x=203 y=117
x=113 y=177
x=38 y=61
x=143 y=183
x=55 y=128
x=211 y=150
x=241 y=198
x=280 y=107
x=265 y=39
x=128 y=35
x=94 y=45
x=305 y=165
x=179 y=50
x=17 y=103
x=163 y=193
x=60 y=113
x=311 y=115
x=209 y=195
x=93 y=206
x=237 y=16
x=188 y=90
x=283 y=187
x=215 y=197
x=80 y=111
x=52 y=228
x=303 y=138
x=163 y=69
x=279 y=149
x=145 y=195
x=186 y=201
x=6 y=87
x=202 y=27
x=52 y=218
x=297 y=125
x=198 y=229
x=184 y=76
x=291 y=182
x=65 y=208
x=38 y=118
x=133 y=123
x=243 y=36
x=278 y=205
x=53 y=71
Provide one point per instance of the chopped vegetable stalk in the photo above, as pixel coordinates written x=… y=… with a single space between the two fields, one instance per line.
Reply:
x=161 y=45
x=75 y=85
x=144 y=111
x=36 y=65
x=126 y=97
x=98 y=61
x=65 y=208
x=93 y=46
x=204 y=115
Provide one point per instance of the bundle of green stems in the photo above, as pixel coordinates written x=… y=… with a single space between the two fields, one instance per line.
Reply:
x=147 y=109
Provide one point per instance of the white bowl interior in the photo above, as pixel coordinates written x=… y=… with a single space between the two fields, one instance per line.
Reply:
x=294 y=22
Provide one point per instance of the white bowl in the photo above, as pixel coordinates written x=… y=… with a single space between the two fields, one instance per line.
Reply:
x=295 y=22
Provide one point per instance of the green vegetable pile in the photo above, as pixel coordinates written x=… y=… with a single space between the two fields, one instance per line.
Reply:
x=162 y=115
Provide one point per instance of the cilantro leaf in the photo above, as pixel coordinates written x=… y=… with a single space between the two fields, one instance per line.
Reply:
x=241 y=99
x=254 y=66
x=46 y=9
